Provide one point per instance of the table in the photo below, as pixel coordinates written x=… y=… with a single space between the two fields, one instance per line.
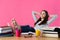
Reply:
x=32 y=38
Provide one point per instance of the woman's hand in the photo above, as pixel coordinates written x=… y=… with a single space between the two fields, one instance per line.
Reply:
x=36 y=13
x=53 y=15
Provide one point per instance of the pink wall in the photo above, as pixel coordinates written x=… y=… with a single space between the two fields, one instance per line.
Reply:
x=22 y=10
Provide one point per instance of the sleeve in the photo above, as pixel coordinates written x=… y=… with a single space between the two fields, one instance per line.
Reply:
x=34 y=16
x=52 y=19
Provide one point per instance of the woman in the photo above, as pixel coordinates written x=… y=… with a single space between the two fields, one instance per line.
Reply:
x=42 y=22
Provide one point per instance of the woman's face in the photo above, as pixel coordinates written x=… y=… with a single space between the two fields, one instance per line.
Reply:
x=42 y=14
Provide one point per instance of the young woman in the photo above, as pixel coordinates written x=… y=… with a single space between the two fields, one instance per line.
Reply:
x=43 y=21
x=40 y=23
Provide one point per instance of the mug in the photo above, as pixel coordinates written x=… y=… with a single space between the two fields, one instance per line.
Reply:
x=18 y=33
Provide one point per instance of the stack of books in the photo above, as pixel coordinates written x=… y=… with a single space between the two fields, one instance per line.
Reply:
x=6 y=31
x=49 y=32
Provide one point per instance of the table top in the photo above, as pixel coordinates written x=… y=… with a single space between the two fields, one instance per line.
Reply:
x=30 y=38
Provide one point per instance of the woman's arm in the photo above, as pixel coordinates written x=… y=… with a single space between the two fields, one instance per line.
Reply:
x=53 y=17
x=34 y=15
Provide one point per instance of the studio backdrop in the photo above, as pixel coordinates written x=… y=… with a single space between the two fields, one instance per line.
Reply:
x=21 y=10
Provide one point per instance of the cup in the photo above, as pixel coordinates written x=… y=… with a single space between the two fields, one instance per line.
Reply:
x=38 y=32
x=18 y=33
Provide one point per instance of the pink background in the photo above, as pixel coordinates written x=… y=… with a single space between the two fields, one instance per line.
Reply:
x=21 y=10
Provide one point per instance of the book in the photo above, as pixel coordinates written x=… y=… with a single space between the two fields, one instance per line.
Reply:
x=5 y=27
x=48 y=28
x=49 y=32
x=5 y=31
x=7 y=35
x=26 y=33
x=50 y=35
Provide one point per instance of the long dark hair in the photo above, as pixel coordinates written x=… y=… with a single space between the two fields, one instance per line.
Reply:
x=45 y=19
